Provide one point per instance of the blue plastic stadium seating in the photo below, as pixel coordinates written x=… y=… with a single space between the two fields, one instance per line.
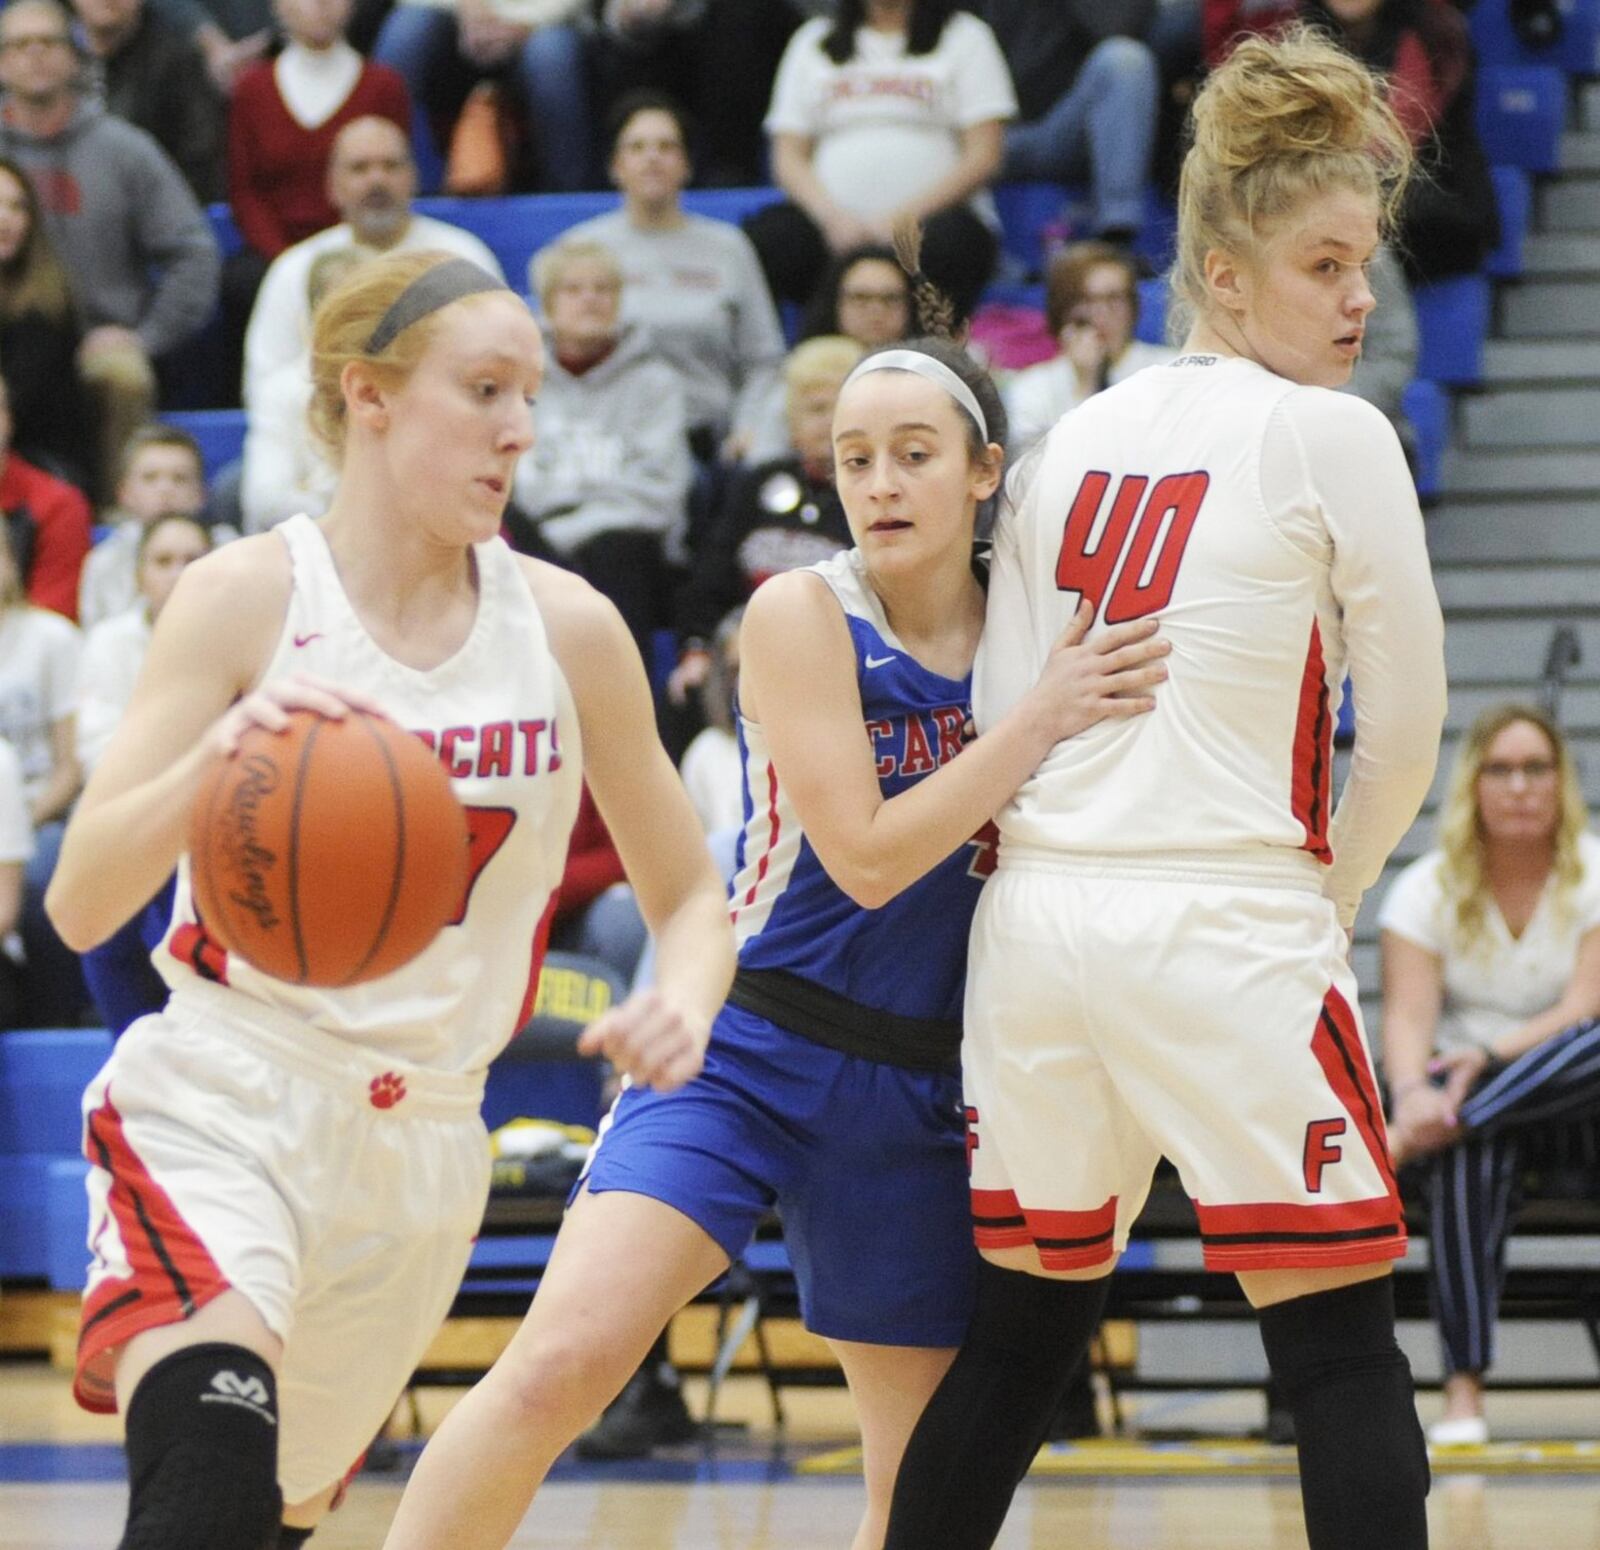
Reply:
x=43 y=1210
x=1513 y=193
x=516 y=226
x=1576 y=51
x=1427 y=407
x=220 y=433
x=1452 y=324
x=1028 y=211
x=1521 y=111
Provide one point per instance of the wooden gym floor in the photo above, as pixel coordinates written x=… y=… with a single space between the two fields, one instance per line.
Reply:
x=60 y=1485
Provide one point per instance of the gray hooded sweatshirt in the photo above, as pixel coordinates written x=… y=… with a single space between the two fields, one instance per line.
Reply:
x=611 y=453
x=137 y=247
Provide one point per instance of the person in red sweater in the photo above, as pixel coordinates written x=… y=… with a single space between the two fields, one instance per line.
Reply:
x=46 y=521
x=592 y=914
x=283 y=118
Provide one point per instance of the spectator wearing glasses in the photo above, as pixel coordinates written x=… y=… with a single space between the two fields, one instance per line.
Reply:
x=1091 y=304
x=1491 y=988
x=865 y=296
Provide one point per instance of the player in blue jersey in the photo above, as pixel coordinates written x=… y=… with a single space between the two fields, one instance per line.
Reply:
x=831 y=1088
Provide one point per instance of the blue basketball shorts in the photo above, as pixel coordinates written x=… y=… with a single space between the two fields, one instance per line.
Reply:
x=865 y=1163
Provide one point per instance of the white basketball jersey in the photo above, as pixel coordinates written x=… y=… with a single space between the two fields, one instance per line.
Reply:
x=1274 y=531
x=501 y=717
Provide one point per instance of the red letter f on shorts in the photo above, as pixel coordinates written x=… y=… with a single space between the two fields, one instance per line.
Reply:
x=1321 y=1150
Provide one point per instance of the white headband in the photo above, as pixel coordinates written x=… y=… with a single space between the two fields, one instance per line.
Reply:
x=934 y=371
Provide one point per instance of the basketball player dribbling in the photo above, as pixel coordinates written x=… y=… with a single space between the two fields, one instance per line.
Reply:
x=830 y=1085
x=285 y=1182
x=1159 y=966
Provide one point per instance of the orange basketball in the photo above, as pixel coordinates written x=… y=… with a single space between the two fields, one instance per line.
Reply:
x=330 y=853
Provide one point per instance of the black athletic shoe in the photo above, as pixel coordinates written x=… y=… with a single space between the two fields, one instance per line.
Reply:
x=648 y=1414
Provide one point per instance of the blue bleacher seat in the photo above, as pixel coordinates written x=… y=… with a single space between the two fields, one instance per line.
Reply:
x=515 y=226
x=1452 y=325
x=1155 y=301
x=1427 y=407
x=43 y=1072
x=1576 y=50
x=1028 y=211
x=66 y=1224
x=1521 y=111
x=220 y=433
x=1513 y=194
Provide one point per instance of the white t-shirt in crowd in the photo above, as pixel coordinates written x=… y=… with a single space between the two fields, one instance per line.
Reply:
x=887 y=124
x=280 y=322
x=113 y=654
x=1039 y=395
x=1500 y=981
x=16 y=830
x=713 y=775
x=38 y=686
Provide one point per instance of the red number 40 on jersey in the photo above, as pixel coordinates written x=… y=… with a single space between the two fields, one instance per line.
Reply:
x=1147 y=537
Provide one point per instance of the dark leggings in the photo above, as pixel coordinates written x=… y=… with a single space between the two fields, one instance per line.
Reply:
x=1474 y=1188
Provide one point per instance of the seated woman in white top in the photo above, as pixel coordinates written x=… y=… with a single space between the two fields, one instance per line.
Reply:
x=894 y=110
x=1491 y=987
x=1091 y=304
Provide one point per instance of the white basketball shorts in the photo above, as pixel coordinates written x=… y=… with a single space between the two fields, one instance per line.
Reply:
x=233 y=1148
x=1113 y=1017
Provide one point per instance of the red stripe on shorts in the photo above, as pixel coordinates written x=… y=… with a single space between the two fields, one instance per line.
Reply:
x=998 y=1221
x=1313 y=752
x=173 y=1274
x=1065 y=1240
x=1284 y=1235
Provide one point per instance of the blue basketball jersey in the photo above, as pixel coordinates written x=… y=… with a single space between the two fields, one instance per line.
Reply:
x=909 y=957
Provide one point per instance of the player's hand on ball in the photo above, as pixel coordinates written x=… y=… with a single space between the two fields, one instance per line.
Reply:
x=269 y=706
x=1113 y=675
x=650 y=1040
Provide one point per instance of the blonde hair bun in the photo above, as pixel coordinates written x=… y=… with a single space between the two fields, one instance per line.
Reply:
x=1281 y=120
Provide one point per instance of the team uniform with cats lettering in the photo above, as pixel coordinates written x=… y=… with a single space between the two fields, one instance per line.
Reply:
x=830 y=1088
x=1159 y=964
x=321 y=1150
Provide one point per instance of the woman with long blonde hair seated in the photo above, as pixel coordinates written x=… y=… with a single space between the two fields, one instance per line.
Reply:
x=1491 y=990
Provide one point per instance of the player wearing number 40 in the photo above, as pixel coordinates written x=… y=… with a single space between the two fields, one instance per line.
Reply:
x=286 y=1181
x=1159 y=966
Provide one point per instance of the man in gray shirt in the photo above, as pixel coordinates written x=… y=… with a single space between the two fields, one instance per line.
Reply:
x=138 y=249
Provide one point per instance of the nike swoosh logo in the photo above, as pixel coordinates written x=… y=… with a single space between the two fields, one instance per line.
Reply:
x=305 y=640
x=879 y=661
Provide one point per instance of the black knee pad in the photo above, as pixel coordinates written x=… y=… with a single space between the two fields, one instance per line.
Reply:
x=293 y=1538
x=202 y=1446
x=1363 y=1461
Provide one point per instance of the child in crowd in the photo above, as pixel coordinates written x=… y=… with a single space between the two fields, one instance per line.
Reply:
x=161 y=475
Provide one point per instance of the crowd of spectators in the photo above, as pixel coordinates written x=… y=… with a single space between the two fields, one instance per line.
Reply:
x=684 y=450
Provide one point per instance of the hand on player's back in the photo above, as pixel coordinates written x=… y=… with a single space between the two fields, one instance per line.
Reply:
x=1113 y=675
x=650 y=1040
x=269 y=707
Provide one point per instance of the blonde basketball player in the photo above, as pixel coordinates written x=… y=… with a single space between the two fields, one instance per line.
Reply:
x=1159 y=965
x=285 y=1182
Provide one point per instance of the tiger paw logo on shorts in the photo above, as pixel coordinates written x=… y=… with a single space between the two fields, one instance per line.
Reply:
x=387 y=1090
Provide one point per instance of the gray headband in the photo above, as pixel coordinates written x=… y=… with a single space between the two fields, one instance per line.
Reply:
x=432 y=289
x=933 y=371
